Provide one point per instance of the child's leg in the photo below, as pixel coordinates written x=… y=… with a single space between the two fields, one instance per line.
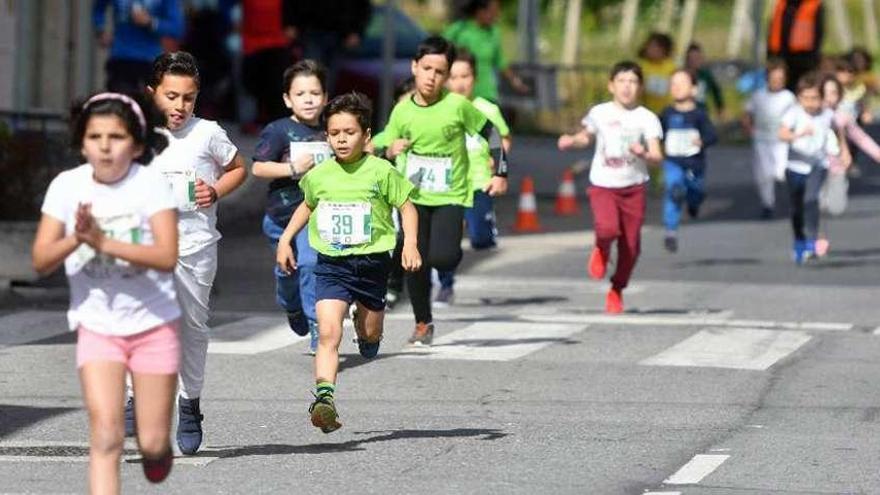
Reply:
x=194 y=276
x=418 y=283
x=631 y=205
x=606 y=220
x=480 y=221
x=330 y=315
x=812 y=188
x=696 y=190
x=447 y=278
x=764 y=168
x=796 y=189
x=306 y=259
x=287 y=285
x=153 y=407
x=370 y=324
x=103 y=385
x=674 y=195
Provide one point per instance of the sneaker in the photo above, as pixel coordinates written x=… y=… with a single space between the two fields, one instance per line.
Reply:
x=822 y=247
x=798 y=251
x=614 y=302
x=323 y=413
x=767 y=213
x=596 y=264
x=189 y=425
x=298 y=322
x=670 y=242
x=693 y=211
x=445 y=297
x=313 y=338
x=130 y=425
x=156 y=470
x=391 y=298
x=423 y=334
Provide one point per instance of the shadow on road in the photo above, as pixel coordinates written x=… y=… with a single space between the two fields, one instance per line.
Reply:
x=356 y=445
x=14 y=418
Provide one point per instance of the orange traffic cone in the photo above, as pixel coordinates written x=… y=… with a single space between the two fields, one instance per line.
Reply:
x=566 y=199
x=527 y=215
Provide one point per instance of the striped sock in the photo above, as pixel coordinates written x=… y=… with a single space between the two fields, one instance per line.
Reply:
x=325 y=389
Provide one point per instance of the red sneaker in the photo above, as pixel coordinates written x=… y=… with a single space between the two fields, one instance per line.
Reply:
x=614 y=302
x=596 y=264
x=156 y=470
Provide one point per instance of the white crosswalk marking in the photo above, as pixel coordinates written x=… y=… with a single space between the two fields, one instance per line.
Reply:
x=252 y=335
x=696 y=469
x=495 y=341
x=735 y=348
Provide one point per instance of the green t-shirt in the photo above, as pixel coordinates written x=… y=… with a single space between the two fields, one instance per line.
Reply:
x=381 y=141
x=351 y=205
x=478 y=148
x=485 y=44
x=436 y=161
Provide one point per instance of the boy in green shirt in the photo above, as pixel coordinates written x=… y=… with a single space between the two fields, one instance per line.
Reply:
x=431 y=127
x=353 y=195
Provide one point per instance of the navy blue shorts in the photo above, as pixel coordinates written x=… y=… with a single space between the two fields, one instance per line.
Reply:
x=362 y=278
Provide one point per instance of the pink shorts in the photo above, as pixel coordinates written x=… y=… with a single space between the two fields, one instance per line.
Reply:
x=155 y=351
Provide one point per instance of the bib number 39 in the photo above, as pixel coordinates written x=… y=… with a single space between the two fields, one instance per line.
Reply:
x=347 y=224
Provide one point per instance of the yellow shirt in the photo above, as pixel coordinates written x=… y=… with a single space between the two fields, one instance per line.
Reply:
x=656 y=83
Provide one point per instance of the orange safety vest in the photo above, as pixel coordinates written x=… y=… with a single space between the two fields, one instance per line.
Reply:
x=802 y=34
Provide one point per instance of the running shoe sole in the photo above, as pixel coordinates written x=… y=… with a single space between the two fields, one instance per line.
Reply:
x=324 y=417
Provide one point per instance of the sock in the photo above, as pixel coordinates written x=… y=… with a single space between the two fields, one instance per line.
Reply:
x=325 y=389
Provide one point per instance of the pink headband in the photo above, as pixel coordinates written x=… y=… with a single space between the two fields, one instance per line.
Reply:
x=125 y=99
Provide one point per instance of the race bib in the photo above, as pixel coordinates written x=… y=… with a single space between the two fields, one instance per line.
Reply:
x=183 y=188
x=657 y=85
x=430 y=173
x=320 y=150
x=348 y=224
x=682 y=142
x=123 y=228
x=473 y=143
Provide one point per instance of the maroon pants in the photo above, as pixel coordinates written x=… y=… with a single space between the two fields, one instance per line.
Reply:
x=618 y=215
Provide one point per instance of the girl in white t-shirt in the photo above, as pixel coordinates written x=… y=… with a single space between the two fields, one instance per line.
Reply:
x=627 y=138
x=112 y=223
x=202 y=165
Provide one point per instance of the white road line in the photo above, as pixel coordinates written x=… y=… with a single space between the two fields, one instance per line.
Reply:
x=491 y=284
x=494 y=341
x=877 y=331
x=252 y=335
x=698 y=468
x=29 y=326
x=742 y=348
x=662 y=493
x=694 y=319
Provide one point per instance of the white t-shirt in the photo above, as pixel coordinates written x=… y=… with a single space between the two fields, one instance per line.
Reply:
x=767 y=109
x=815 y=149
x=616 y=128
x=199 y=150
x=108 y=295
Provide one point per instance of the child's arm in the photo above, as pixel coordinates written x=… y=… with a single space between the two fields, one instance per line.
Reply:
x=862 y=140
x=281 y=170
x=411 y=260
x=161 y=255
x=653 y=154
x=233 y=176
x=580 y=139
x=284 y=253
x=708 y=134
x=51 y=246
x=787 y=134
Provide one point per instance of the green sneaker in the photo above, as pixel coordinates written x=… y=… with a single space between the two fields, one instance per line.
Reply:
x=323 y=412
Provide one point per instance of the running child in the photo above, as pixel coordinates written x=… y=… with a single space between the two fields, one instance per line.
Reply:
x=480 y=218
x=627 y=138
x=202 y=166
x=431 y=128
x=352 y=196
x=707 y=85
x=764 y=112
x=687 y=131
x=287 y=149
x=111 y=221
x=807 y=129
x=655 y=58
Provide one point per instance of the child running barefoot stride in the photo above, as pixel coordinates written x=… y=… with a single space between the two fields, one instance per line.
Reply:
x=112 y=223
x=687 y=131
x=202 y=166
x=627 y=138
x=288 y=148
x=352 y=196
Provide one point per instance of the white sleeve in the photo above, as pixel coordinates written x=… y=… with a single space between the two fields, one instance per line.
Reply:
x=832 y=145
x=591 y=121
x=222 y=150
x=56 y=204
x=159 y=195
x=789 y=118
x=652 y=127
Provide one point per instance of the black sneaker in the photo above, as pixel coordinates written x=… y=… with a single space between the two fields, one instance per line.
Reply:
x=767 y=213
x=298 y=323
x=670 y=242
x=189 y=425
x=693 y=211
x=130 y=425
x=323 y=414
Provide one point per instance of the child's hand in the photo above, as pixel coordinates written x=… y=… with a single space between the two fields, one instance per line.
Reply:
x=638 y=149
x=284 y=258
x=497 y=186
x=698 y=142
x=205 y=194
x=87 y=229
x=565 y=142
x=304 y=163
x=397 y=147
x=411 y=260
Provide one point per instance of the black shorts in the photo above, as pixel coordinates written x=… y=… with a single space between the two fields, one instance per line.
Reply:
x=362 y=278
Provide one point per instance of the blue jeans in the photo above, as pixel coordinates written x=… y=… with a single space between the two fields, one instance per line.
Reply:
x=682 y=186
x=804 y=189
x=480 y=220
x=296 y=291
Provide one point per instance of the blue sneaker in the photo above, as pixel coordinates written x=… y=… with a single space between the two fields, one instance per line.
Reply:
x=298 y=322
x=189 y=425
x=313 y=338
x=130 y=425
x=799 y=251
